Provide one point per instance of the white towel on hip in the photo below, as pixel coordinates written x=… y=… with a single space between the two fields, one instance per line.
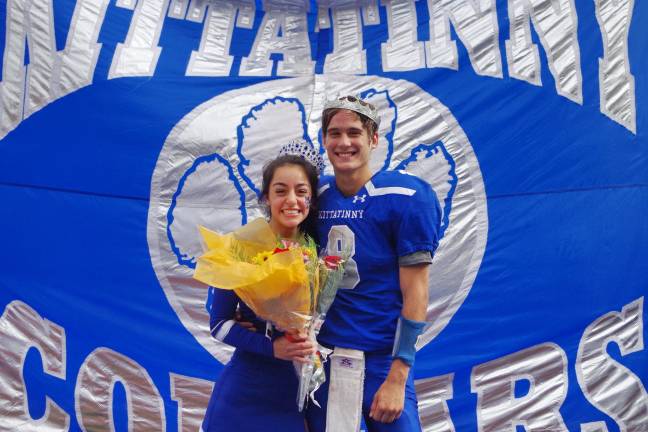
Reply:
x=344 y=410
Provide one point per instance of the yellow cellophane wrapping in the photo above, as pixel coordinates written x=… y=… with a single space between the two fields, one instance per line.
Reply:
x=277 y=289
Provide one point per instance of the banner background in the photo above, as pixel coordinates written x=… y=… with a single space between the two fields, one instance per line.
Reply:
x=566 y=191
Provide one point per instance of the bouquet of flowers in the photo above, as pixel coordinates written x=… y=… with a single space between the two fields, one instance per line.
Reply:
x=284 y=283
x=311 y=375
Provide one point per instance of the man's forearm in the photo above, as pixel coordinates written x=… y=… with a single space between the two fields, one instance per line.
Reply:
x=414 y=287
x=398 y=372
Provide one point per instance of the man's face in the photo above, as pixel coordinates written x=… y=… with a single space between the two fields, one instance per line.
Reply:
x=348 y=144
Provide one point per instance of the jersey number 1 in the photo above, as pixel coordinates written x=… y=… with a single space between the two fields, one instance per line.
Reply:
x=341 y=242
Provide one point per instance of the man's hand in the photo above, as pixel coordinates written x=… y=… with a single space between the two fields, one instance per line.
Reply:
x=389 y=400
x=238 y=317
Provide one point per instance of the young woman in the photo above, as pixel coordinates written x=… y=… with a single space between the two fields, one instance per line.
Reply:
x=257 y=389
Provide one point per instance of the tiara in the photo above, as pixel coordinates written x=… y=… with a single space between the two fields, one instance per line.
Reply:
x=356 y=104
x=299 y=147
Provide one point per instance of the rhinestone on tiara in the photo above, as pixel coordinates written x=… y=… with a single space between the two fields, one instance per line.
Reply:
x=299 y=147
x=356 y=104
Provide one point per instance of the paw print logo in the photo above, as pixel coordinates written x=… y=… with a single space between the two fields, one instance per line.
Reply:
x=213 y=191
x=209 y=173
x=259 y=138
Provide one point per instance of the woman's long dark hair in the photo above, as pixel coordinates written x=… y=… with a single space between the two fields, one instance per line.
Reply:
x=308 y=225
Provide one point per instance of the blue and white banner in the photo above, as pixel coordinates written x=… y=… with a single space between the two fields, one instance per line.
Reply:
x=124 y=124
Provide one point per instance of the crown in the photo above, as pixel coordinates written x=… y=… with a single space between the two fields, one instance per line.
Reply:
x=299 y=147
x=355 y=104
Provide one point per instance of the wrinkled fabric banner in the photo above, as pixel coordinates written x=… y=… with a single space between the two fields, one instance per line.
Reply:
x=125 y=124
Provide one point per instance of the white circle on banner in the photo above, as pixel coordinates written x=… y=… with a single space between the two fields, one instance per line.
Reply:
x=208 y=173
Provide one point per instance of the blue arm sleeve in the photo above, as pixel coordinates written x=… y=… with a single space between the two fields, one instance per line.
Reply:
x=224 y=328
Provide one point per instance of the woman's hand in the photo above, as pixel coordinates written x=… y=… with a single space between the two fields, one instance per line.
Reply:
x=293 y=347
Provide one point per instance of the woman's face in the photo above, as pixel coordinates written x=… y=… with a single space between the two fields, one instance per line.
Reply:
x=289 y=198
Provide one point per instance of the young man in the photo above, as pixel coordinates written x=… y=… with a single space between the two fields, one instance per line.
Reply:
x=387 y=225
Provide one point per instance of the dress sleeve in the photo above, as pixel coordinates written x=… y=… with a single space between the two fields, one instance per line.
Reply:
x=224 y=328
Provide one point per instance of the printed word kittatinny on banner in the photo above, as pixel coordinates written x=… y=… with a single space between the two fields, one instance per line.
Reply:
x=543 y=367
x=284 y=29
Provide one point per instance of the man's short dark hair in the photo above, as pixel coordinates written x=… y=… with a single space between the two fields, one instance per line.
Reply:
x=369 y=125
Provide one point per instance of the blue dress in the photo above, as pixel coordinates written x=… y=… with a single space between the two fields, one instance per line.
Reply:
x=255 y=390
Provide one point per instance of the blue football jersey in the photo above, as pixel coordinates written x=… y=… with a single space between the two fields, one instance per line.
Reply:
x=393 y=215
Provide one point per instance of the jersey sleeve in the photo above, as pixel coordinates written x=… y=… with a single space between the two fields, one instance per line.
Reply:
x=419 y=223
x=224 y=328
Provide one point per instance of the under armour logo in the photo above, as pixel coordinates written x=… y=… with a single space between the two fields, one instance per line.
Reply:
x=360 y=198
